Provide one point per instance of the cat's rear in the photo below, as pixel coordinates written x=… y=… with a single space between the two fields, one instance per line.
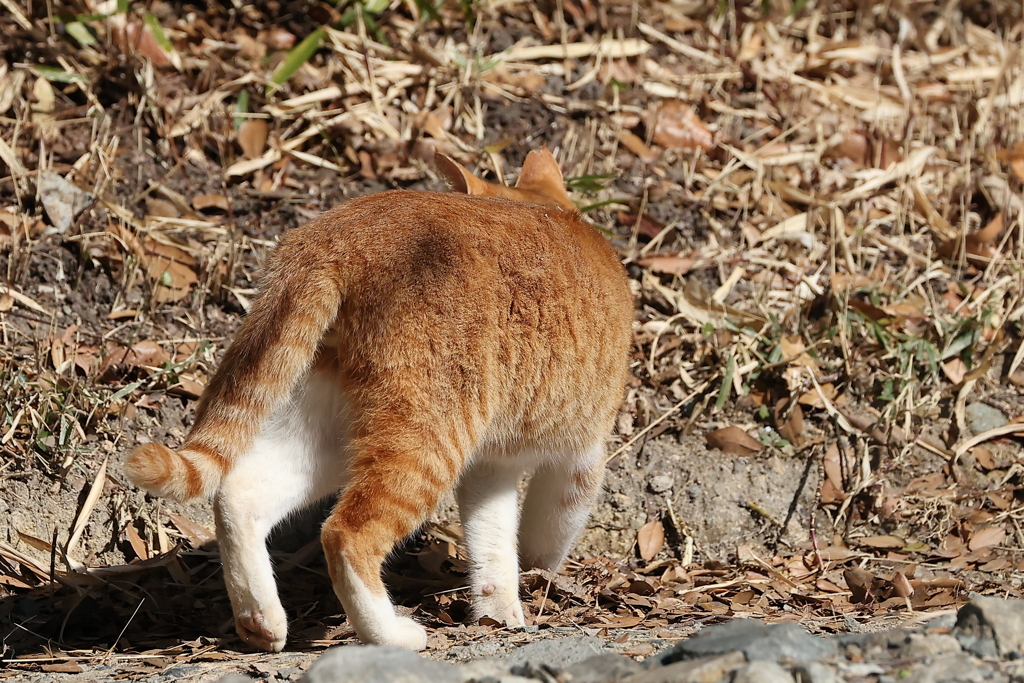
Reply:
x=407 y=343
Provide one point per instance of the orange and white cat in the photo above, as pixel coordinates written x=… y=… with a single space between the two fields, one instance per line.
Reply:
x=405 y=344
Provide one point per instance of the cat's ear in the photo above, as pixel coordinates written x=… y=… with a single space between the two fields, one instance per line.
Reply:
x=458 y=177
x=541 y=173
x=542 y=177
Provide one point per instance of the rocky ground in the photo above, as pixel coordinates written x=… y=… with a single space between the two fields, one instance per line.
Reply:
x=983 y=641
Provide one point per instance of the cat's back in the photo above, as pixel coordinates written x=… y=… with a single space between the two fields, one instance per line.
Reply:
x=508 y=308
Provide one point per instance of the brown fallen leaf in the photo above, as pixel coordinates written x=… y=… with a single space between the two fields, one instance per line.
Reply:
x=676 y=126
x=69 y=667
x=987 y=538
x=885 y=542
x=648 y=227
x=733 y=440
x=196 y=533
x=902 y=585
x=187 y=387
x=252 y=138
x=145 y=354
x=206 y=202
x=649 y=539
x=860 y=583
x=977 y=248
x=670 y=265
x=136 y=542
x=833 y=466
x=637 y=146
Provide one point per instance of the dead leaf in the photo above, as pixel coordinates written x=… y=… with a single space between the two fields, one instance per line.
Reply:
x=833 y=466
x=670 y=265
x=187 y=387
x=733 y=440
x=676 y=126
x=196 y=533
x=902 y=585
x=136 y=542
x=205 y=202
x=889 y=542
x=859 y=582
x=987 y=538
x=979 y=246
x=649 y=539
x=954 y=369
x=648 y=227
x=252 y=138
x=637 y=146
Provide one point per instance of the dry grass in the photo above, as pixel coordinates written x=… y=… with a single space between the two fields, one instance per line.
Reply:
x=820 y=205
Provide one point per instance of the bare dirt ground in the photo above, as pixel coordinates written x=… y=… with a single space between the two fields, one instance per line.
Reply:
x=819 y=204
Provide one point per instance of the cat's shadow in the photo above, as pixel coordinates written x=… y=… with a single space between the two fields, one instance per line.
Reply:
x=181 y=604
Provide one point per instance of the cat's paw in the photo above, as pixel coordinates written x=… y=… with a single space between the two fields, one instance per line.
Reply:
x=409 y=634
x=259 y=630
x=502 y=606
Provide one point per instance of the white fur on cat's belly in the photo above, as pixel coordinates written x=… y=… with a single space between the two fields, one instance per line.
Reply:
x=296 y=460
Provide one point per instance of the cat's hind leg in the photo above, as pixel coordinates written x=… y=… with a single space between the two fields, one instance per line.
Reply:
x=282 y=472
x=558 y=503
x=489 y=508
x=398 y=473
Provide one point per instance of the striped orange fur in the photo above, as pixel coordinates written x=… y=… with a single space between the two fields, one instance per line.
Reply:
x=404 y=344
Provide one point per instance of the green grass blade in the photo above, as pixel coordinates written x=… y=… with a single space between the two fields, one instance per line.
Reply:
x=52 y=73
x=241 y=107
x=298 y=56
x=80 y=33
x=158 y=33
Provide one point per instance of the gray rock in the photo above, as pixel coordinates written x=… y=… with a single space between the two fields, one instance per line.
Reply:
x=954 y=669
x=815 y=672
x=927 y=646
x=704 y=670
x=757 y=640
x=982 y=417
x=234 y=678
x=604 y=668
x=379 y=664
x=762 y=672
x=660 y=483
x=559 y=653
x=991 y=627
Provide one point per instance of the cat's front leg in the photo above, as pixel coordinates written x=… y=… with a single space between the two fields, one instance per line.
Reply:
x=489 y=508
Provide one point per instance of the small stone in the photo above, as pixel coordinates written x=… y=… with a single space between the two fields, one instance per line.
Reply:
x=692 y=670
x=559 y=653
x=378 y=664
x=62 y=200
x=981 y=417
x=621 y=501
x=815 y=672
x=954 y=669
x=922 y=646
x=605 y=668
x=755 y=639
x=762 y=672
x=661 y=483
x=990 y=627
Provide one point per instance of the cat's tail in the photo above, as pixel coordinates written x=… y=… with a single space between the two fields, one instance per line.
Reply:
x=273 y=349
